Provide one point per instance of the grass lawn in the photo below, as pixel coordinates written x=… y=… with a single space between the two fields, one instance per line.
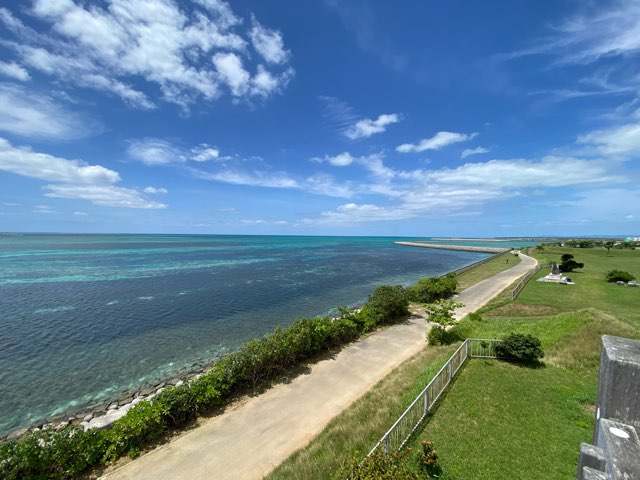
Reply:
x=502 y=421
x=498 y=420
x=486 y=270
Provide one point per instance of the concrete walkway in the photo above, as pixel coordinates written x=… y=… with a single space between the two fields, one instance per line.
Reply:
x=250 y=440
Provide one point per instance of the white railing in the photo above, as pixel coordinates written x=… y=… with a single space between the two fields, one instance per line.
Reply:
x=401 y=431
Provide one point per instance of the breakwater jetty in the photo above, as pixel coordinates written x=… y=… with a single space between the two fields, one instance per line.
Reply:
x=460 y=248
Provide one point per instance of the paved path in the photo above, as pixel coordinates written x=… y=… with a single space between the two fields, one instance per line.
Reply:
x=250 y=440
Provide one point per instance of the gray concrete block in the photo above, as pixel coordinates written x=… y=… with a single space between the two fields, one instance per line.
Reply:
x=592 y=457
x=591 y=474
x=621 y=447
x=619 y=381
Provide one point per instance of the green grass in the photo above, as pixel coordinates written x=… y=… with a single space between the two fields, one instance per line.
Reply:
x=501 y=421
x=498 y=420
x=486 y=270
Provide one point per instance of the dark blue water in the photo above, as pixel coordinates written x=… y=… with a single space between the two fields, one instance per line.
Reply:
x=85 y=317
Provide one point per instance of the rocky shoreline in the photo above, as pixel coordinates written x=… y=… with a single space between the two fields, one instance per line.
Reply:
x=103 y=414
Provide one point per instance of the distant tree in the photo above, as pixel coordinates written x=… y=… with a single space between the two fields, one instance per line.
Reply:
x=539 y=248
x=568 y=263
x=609 y=245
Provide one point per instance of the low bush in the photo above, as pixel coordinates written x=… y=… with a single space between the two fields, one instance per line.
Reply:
x=389 y=303
x=428 y=459
x=428 y=290
x=519 y=347
x=619 y=276
x=379 y=467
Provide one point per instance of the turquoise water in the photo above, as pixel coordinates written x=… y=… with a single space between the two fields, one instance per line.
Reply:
x=86 y=317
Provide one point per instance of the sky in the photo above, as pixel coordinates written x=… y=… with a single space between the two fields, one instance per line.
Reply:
x=334 y=117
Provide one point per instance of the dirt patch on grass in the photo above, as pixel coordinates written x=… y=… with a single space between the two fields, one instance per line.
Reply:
x=589 y=408
x=522 y=309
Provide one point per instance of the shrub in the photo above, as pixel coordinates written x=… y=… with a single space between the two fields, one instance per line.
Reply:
x=428 y=459
x=429 y=290
x=519 y=347
x=389 y=303
x=434 y=336
x=378 y=467
x=619 y=276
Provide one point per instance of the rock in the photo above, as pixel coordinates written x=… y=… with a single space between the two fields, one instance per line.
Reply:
x=87 y=417
x=62 y=425
x=112 y=406
x=16 y=434
x=125 y=401
x=179 y=383
x=145 y=392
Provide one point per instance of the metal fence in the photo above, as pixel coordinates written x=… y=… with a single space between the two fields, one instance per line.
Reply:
x=516 y=291
x=401 y=431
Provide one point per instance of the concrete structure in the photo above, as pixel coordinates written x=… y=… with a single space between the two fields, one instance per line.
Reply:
x=461 y=248
x=615 y=453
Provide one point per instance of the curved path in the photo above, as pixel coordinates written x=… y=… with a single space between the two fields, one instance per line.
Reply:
x=250 y=439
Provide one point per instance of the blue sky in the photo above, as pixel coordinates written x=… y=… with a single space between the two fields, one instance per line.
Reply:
x=502 y=118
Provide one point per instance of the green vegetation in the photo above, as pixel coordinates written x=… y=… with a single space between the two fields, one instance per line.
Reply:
x=496 y=265
x=441 y=314
x=520 y=347
x=389 y=303
x=619 y=276
x=568 y=263
x=429 y=290
x=491 y=422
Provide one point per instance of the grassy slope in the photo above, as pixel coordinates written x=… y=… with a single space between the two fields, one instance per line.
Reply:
x=493 y=266
x=492 y=421
x=494 y=417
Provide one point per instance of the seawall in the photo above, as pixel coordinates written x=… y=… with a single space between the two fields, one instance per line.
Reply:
x=461 y=248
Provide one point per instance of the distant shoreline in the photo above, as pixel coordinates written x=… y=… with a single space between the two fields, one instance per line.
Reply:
x=460 y=248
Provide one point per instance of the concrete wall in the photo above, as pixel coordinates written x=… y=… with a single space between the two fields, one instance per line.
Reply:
x=615 y=453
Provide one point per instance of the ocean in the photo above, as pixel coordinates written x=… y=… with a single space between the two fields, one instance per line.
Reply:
x=84 y=318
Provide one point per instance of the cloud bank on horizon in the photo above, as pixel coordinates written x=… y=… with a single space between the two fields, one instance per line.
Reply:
x=350 y=118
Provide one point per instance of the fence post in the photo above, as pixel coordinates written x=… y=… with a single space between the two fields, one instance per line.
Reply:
x=387 y=445
x=426 y=403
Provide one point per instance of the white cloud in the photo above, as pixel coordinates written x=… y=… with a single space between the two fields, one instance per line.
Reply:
x=438 y=141
x=367 y=127
x=15 y=71
x=107 y=195
x=204 y=153
x=155 y=151
x=73 y=178
x=232 y=73
x=23 y=161
x=80 y=214
x=621 y=141
x=551 y=171
x=154 y=191
x=268 y=43
x=253 y=179
x=29 y=114
x=116 y=44
x=341 y=160
x=473 y=151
